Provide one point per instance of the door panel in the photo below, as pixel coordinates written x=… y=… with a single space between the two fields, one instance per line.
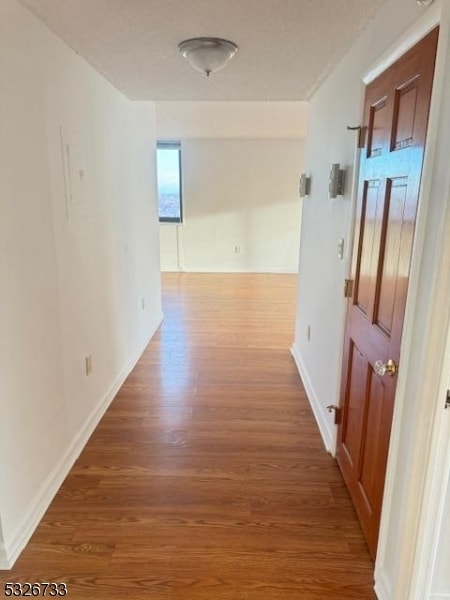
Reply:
x=351 y=438
x=395 y=119
x=369 y=234
x=379 y=115
x=397 y=233
x=404 y=115
x=369 y=477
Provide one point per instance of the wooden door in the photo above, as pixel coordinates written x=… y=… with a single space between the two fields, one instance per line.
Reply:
x=395 y=123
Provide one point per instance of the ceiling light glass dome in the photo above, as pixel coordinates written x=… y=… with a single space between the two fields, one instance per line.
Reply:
x=207 y=54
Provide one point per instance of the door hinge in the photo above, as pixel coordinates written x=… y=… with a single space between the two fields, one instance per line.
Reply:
x=348 y=288
x=337 y=413
x=447 y=400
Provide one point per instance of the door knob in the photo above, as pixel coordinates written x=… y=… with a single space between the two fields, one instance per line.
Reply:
x=388 y=368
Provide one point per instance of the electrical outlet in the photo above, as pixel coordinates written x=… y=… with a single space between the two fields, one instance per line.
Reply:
x=237 y=249
x=308 y=333
x=143 y=303
x=88 y=364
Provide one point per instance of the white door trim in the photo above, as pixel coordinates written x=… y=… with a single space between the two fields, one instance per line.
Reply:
x=436 y=489
x=424 y=25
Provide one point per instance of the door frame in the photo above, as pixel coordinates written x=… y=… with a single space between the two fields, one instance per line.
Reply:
x=421 y=376
x=436 y=489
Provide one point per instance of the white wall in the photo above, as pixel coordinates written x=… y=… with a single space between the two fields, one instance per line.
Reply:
x=321 y=305
x=241 y=207
x=231 y=120
x=75 y=270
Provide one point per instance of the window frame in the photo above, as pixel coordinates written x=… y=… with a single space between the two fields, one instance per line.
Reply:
x=174 y=145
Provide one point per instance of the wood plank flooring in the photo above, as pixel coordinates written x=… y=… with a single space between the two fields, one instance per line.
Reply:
x=207 y=478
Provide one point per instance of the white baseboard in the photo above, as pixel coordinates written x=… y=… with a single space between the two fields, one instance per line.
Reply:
x=443 y=596
x=10 y=551
x=261 y=270
x=317 y=409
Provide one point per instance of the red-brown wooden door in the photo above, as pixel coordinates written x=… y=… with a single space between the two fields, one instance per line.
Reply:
x=395 y=124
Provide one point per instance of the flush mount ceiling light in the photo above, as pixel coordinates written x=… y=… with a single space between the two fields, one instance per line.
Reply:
x=424 y=2
x=207 y=54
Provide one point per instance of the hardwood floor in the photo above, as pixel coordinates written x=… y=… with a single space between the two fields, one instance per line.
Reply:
x=207 y=478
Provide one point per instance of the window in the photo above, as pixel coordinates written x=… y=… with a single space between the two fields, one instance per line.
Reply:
x=168 y=170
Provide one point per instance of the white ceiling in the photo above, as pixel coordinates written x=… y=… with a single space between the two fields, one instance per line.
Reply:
x=286 y=47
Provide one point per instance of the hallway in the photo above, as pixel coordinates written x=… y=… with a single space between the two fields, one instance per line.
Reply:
x=207 y=478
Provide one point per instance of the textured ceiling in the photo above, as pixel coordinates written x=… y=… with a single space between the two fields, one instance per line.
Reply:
x=286 y=47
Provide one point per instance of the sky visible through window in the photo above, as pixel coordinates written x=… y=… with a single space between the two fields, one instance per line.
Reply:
x=168 y=172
